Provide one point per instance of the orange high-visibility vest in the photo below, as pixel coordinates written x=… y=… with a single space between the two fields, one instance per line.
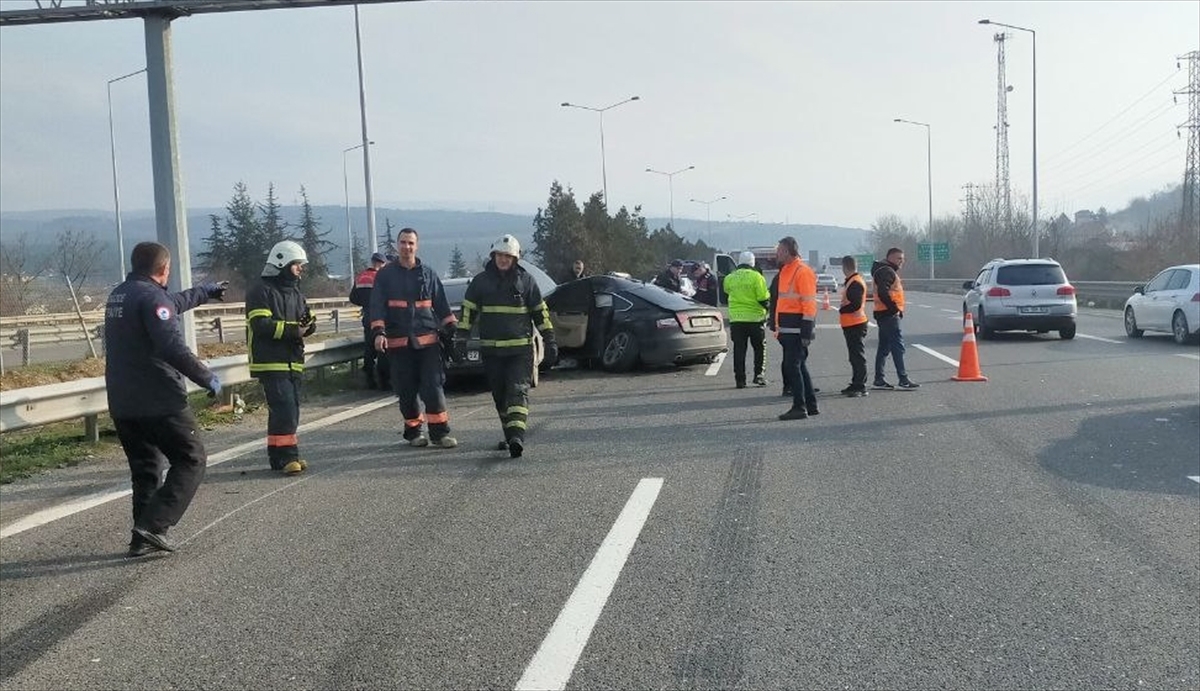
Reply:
x=860 y=315
x=797 y=300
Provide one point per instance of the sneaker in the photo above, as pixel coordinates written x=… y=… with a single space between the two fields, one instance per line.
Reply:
x=760 y=380
x=795 y=414
x=139 y=547
x=418 y=441
x=515 y=448
x=883 y=386
x=293 y=468
x=157 y=541
x=446 y=442
x=854 y=393
x=848 y=390
x=907 y=384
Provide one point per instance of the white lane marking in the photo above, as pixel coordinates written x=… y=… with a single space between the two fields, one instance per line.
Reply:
x=715 y=366
x=936 y=354
x=926 y=306
x=553 y=663
x=1189 y=356
x=1099 y=338
x=957 y=317
x=1194 y=478
x=49 y=515
x=951 y=311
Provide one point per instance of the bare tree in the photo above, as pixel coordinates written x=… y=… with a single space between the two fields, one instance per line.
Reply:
x=76 y=254
x=18 y=272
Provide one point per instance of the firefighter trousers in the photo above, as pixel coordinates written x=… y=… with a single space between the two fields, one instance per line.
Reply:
x=420 y=373
x=509 y=377
x=282 y=390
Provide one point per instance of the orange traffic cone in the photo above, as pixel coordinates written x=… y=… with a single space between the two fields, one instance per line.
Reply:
x=826 y=305
x=968 y=359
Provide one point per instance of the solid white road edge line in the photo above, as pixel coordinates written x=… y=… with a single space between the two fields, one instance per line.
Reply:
x=936 y=354
x=1194 y=478
x=715 y=366
x=1099 y=338
x=552 y=665
x=1186 y=355
x=40 y=518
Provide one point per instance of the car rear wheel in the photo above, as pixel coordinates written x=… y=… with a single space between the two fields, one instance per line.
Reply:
x=620 y=353
x=985 y=331
x=1067 y=333
x=1179 y=328
x=1131 y=329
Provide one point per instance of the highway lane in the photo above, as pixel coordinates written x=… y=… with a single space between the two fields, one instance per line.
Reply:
x=1036 y=530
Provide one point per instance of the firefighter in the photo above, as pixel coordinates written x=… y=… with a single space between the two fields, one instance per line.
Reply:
x=795 y=312
x=748 y=300
x=409 y=315
x=507 y=305
x=146 y=362
x=277 y=322
x=852 y=315
x=374 y=365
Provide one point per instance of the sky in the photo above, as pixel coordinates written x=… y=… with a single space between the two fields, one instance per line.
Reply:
x=785 y=108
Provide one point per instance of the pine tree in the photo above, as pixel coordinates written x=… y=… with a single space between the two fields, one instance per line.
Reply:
x=359 y=253
x=388 y=244
x=243 y=233
x=214 y=260
x=315 y=246
x=559 y=233
x=458 y=266
x=274 y=228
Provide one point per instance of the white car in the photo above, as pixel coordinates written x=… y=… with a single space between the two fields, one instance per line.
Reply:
x=1169 y=302
x=827 y=283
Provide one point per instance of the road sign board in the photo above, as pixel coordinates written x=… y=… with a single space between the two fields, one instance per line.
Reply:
x=941 y=252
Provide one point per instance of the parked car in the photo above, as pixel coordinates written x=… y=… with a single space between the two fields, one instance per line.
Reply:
x=1021 y=295
x=826 y=282
x=1168 y=302
x=620 y=323
x=455 y=289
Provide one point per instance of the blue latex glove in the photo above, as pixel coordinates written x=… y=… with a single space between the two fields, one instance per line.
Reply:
x=214 y=387
x=216 y=291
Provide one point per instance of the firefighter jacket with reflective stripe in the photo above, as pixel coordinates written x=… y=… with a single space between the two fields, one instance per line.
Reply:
x=796 y=305
x=889 y=290
x=748 y=296
x=506 y=306
x=408 y=306
x=146 y=356
x=360 y=294
x=854 y=299
x=274 y=309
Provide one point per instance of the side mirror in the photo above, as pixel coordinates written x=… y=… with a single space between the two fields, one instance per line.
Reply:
x=967 y=285
x=1139 y=290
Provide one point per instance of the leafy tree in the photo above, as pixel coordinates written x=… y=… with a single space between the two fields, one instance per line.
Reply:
x=458 y=266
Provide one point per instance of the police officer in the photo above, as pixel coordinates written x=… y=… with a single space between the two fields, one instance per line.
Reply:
x=852 y=315
x=706 y=285
x=409 y=315
x=277 y=322
x=669 y=278
x=506 y=303
x=146 y=361
x=748 y=301
x=374 y=366
x=795 y=311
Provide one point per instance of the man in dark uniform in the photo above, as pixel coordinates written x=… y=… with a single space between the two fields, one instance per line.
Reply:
x=374 y=365
x=507 y=304
x=669 y=278
x=145 y=363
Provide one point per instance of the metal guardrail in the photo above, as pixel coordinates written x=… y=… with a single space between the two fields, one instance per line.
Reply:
x=1102 y=294
x=87 y=398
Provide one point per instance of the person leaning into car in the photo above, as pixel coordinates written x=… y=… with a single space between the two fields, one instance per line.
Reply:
x=507 y=304
x=889 y=310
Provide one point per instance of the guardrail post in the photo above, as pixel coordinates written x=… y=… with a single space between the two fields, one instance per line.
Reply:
x=91 y=428
x=23 y=342
x=220 y=329
x=337 y=322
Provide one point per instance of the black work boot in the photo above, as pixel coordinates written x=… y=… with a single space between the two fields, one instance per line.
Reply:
x=516 y=446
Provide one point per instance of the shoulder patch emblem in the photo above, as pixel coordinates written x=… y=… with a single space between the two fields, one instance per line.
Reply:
x=163 y=312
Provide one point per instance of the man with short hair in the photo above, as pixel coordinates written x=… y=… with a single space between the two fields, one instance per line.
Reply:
x=795 y=313
x=577 y=270
x=409 y=317
x=889 y=310
x=374 y=366
x=145 y=362
x=705 y=283
x=852 y=315
x=669 y=278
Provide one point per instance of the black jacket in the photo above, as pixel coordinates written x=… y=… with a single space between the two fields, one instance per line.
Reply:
x=667 y=279
x=884 y=275
x=274 y=309
x=706 y=289
x=507 y=306
x=146 y=357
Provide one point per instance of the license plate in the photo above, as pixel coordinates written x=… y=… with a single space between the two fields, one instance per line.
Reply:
x=1034 y=310
x=702 y=321
x=473 y=355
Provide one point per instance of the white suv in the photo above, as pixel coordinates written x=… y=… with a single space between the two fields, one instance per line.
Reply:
x=1021 y=295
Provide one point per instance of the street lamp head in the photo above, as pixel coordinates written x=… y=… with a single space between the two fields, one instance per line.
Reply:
x=897 y=120
x=690 y=168
x=649 y=170
x=565 y=104
x=985 y=21
x=636 y=98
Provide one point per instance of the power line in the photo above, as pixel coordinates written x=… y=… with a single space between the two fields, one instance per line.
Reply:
x=1103 y=146
x=1117 y=160
x=1123 y=169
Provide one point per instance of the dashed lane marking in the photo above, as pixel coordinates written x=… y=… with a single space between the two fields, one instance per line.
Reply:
x=936 y=354
x=1099 y=338
x=1194 y=478
x=1190 y=356
x=715 y=366
x=555 y=660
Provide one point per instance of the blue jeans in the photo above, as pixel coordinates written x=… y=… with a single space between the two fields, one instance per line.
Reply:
x=890 y=341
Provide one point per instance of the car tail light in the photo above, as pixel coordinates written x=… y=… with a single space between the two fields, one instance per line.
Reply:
x=998 y=292
x=1196 y=297
x=1066 y=290
x=667 y=323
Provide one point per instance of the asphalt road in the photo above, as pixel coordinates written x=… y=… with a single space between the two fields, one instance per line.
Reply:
x=1039 y=530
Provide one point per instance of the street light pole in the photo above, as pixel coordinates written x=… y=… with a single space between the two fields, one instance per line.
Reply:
x=112 y=143
x=346 y=189
x=1032 y=34
x=671 y=187
x=708 y=207
x=603 y=164
x=741 y=235
x=362 y=109
x=929 y=173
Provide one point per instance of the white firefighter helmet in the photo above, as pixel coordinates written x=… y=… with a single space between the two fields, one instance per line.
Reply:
x=507 y=244
x=747 y=258
x=283 y=253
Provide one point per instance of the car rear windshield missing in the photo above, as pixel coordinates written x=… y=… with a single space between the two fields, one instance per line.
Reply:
x=1031 y=275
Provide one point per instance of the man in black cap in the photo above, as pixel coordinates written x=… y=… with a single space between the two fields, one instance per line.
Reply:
x=375 y=367
x=669 y=278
